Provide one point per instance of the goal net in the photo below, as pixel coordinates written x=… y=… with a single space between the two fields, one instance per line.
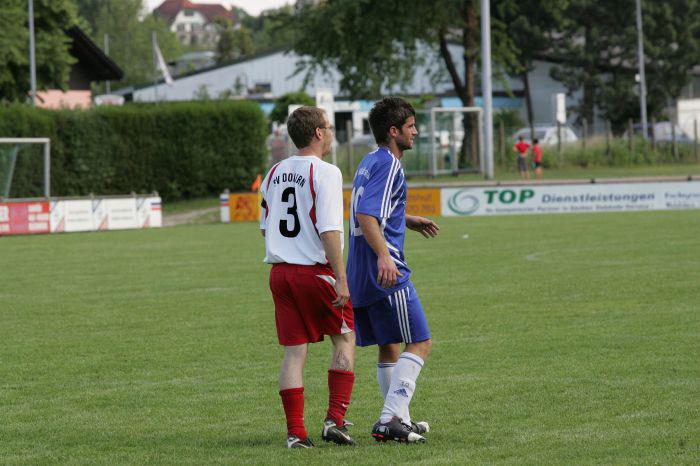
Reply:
x=25 y=168
x=450 y=141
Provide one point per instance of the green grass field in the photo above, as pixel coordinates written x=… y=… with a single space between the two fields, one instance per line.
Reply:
x=561 y=339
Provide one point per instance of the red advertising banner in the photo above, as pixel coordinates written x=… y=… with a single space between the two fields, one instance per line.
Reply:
x=20 y=218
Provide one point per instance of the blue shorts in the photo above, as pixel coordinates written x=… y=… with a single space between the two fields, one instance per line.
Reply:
x=396 y=318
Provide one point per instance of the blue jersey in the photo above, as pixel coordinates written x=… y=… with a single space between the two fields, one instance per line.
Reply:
x=379 y=190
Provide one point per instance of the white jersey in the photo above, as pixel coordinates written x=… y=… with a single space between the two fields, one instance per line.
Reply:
x=302 y=198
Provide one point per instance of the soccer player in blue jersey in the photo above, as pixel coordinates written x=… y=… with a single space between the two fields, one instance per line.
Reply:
x=387 y=309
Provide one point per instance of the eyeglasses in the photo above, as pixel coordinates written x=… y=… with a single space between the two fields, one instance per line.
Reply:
x=330 y=127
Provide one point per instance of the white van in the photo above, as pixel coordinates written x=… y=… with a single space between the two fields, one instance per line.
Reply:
x=547 y=135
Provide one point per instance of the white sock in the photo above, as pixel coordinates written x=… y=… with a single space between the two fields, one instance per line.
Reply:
x=384 y=371
x=403 y=384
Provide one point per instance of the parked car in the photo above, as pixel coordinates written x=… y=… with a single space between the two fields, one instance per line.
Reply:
x=662 y=132
x=363 y=140
x=547 y=135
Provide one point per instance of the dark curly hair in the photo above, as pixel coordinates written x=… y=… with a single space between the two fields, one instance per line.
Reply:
x=388 y=112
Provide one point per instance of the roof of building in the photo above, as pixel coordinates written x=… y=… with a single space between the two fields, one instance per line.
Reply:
x=169 y=10
x=217 y=66
x=99 y=65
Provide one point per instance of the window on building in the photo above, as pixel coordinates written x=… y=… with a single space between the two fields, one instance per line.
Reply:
x=189 y=12
x=261 y=88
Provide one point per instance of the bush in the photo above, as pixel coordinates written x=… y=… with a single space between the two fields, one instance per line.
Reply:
x=279 y=111
x=180 y=150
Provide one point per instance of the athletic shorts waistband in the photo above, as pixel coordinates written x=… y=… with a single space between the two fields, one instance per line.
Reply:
x=303 y=269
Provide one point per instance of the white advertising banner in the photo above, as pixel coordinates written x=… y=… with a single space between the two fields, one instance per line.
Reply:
x=99 y=214
x=87 y=214
x=148 y=212
x=121 y=213
x=555 y=199
x=71 y=215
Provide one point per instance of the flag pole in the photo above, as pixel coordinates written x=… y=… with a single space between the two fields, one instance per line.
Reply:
x=486 y=90
x=642 y=78
x=155 y=66
x=32 y=53
x=106 y=41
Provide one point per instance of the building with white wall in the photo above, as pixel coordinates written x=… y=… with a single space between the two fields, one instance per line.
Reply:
x=266 y=76
x=193 y=22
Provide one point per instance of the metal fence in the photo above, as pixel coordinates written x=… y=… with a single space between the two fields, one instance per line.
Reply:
x=440 y=148
x=601 y=144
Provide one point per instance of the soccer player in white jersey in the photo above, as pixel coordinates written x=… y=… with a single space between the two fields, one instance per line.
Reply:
x=302 y=222
x=387 y=309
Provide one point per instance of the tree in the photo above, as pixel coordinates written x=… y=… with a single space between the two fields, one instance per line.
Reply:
x=233 y=42
x=270 y=29
x=130 y=43
x=590 y=44
x=531 y=24
x=280 y=110
x=598 y=48
x=374 y=47
x=53 y=60
x=671 y=47
x=88 y=13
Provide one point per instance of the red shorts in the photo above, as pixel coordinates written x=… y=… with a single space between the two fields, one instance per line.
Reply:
x=304 y=311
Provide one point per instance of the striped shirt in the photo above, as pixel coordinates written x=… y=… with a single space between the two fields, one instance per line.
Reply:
x=379 y=190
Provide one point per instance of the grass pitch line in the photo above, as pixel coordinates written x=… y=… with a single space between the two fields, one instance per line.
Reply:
x=535 y=256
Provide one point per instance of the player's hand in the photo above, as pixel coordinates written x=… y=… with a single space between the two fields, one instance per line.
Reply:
x=342 y=293
x=422 y=225
x=388 y=273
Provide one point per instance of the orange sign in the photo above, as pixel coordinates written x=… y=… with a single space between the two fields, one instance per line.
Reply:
x=244 y=207
x=423 y=201
x=420 y=201
x=346 y=203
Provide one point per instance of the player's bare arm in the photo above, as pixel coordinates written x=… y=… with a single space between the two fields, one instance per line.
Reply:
x=331 y=245
x=262 y=232
x=422 y=225
x=388 y=273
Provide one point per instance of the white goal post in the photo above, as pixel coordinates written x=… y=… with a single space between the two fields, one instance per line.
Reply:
x=437 y=150
x=453 y=133
x=46 y=142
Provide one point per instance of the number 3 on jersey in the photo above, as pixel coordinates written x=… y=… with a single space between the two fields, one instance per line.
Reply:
x=292 y=211
x=355 y=229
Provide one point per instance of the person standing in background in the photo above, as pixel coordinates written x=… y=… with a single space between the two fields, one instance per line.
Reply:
x=521 y=149
x=537 y=158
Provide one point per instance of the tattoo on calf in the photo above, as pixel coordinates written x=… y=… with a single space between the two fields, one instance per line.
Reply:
x=341 y=363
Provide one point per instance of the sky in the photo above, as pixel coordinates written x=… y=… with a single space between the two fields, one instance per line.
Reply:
x=253 y=7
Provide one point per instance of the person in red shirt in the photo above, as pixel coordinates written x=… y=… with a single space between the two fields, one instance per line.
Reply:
x=521 y=148
x=537 y=158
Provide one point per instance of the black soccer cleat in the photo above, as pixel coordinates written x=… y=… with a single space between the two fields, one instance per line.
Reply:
x=295 y=442
x=338 y=435
x=395 y=430
x=420 y=427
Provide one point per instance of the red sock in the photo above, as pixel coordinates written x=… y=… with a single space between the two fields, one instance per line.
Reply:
x=293 y=403
x=339 y=390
